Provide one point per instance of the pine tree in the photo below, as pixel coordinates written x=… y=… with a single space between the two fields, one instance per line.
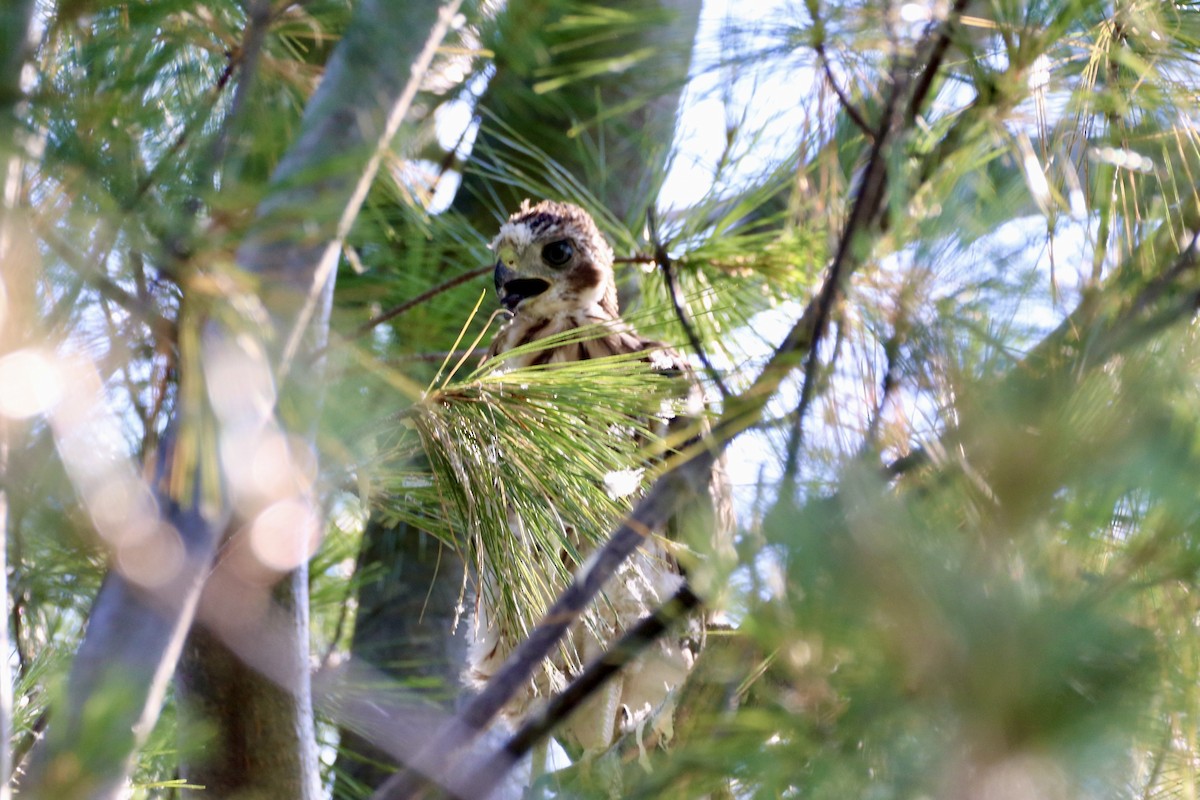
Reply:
x=941 y=297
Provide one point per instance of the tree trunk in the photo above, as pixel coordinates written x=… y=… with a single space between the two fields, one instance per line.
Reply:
x=631 y=112
x=404 y=629
x=262 y=725
x=264 y=746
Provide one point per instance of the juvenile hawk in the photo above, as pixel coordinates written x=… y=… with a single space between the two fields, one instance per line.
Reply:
x=554 y=273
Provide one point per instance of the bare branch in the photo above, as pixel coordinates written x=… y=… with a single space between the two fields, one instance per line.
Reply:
x=423 y=297
x=406 y=306
x=437 y=760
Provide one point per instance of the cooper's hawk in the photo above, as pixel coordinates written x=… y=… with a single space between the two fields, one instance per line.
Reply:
x=554 y=273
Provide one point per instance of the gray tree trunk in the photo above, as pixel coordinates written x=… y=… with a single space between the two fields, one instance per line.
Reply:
x=264 y=745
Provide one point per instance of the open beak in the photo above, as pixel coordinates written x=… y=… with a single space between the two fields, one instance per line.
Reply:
x=512 y=288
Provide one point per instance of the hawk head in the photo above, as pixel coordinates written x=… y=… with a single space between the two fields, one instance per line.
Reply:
x=552 y=259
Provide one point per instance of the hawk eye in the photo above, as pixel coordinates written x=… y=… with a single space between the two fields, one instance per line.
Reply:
x=557 y=253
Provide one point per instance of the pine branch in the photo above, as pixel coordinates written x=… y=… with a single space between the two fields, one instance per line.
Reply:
x=667 y=265
x=476 y=783
x=819 y=48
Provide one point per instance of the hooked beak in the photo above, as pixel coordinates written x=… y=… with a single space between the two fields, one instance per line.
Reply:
x=512 y=288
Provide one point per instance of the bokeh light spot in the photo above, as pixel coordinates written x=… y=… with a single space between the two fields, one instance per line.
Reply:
x=285 y=534
x=30 y=384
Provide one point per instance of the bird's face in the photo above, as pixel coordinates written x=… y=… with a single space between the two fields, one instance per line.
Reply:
x=551 y=258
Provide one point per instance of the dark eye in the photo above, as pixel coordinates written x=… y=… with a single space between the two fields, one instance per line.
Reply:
x=557 y=253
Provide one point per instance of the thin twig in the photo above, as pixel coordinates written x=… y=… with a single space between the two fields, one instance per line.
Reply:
x=791 y=461
x=258 y=22
x=19 y=599
x=819 y=48
x=339 y=628
x=144 y=312
x=436 y=357
x=901 y=325
x=865 y=216
x=847 y=105
x=1160 y=757
x=628 y=648
x=113 y=330
x=891 y=381
x=406 y=306
x=192 y=126
x=667 y=265
x=22 y=747
x=1127 y=329
x=423 y=297
x=158 y=392
x=938 y=46
x=175 y=242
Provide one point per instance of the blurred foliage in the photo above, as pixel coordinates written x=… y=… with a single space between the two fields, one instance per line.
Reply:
x=980 y=580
